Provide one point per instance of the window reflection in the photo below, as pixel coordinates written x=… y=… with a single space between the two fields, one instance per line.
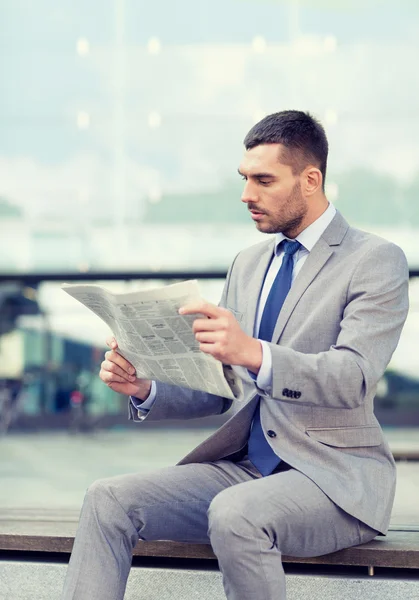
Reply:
x=112 y=133
x=50 y=360
x=120 y=136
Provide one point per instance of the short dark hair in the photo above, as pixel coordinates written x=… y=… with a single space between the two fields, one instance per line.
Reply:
x=302 y=136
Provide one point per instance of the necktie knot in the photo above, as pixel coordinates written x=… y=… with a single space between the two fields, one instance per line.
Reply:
x=291 y=247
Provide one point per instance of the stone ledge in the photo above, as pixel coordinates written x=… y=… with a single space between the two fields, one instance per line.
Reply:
x=52 y=534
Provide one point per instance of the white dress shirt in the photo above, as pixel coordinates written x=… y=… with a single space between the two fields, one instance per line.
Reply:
x=307 y=238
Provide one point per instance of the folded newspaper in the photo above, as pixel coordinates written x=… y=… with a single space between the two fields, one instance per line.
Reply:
x=156 y=339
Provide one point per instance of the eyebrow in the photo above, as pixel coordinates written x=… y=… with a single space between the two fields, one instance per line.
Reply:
x=257 y=175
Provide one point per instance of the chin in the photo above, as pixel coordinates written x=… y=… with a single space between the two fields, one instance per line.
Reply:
x=266 y=228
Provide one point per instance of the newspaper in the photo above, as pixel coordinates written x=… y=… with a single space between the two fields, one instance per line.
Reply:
x=156 y=339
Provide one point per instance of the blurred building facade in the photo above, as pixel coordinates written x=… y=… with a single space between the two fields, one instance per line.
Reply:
x=121 y=128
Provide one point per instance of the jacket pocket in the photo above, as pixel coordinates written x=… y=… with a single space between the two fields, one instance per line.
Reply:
x=347 y=437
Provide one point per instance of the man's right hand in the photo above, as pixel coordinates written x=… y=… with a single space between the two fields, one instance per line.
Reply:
x=119 y=374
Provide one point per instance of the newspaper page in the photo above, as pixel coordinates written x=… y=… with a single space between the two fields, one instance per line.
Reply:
x=156 y=339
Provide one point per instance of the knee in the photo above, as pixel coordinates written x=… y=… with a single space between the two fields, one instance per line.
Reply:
x=100 y=497
x=98 y=489
x=228 y=517
x=102 y=510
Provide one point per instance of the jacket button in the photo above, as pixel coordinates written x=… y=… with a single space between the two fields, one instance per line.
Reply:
x=271 y=433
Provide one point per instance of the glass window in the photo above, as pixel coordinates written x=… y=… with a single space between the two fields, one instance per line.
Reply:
x=121 y=129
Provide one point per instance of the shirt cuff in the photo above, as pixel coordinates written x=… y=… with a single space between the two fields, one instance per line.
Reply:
x=264 y=377
x=147 y=404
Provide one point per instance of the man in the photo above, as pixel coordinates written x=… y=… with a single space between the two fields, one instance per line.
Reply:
x=310 y=318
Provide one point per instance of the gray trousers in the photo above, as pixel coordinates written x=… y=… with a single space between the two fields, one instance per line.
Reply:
x=250 y=521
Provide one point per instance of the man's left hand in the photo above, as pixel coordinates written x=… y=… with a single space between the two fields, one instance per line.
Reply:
x=220 y=335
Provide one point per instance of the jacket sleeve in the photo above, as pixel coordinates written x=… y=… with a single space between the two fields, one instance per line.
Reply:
x=372 y=321
x=174 y=402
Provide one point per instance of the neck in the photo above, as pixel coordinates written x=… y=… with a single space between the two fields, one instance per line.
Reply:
x=317 y=209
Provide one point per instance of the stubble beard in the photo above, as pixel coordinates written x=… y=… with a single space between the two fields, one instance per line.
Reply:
x=289 y=224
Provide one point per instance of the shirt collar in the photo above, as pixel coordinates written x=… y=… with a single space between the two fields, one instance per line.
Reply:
x=311 y=234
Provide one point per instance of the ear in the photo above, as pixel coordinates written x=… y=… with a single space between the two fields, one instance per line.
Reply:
x=312 y=181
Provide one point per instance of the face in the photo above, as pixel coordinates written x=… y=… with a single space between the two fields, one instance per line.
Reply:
x=272 y=193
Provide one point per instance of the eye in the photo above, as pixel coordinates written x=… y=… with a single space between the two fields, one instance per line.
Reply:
x=262 y=182
x=243 y=177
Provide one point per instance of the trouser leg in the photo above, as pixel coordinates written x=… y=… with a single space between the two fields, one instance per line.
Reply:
x=253 y=524
x=170 y=504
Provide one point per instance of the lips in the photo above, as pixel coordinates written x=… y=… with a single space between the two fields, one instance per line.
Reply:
x=256 y=215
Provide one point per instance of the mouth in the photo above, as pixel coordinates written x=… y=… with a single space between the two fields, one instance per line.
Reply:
x=256 y=215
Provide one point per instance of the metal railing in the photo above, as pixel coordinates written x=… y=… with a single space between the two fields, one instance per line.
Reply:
x=37 y=278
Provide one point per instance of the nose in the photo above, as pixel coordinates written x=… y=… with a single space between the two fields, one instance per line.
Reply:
x=249 y=193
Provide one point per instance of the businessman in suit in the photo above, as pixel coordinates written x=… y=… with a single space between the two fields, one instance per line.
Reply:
x=309 y=318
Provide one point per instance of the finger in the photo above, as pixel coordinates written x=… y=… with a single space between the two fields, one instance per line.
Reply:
x=107 y=365
x=119 y=388
x=116 y=358
x=209 y=348
x=111 y=342
x=209 y=337
x=208 y=324
x=108 y=377
x=205 y=308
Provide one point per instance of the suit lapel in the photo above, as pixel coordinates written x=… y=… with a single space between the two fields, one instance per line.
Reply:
x=315 y=261
x=257 y=275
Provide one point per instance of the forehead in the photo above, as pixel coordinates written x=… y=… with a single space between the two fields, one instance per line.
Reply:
x=264 y=158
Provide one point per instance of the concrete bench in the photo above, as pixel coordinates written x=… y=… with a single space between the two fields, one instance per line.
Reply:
x=34 y=550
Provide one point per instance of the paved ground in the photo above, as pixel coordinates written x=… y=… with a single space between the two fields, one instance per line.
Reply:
x=51 y=471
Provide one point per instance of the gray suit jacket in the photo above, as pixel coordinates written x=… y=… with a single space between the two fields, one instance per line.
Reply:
x=334 y=337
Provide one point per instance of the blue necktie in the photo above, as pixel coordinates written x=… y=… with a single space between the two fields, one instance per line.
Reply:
x=259 y=451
